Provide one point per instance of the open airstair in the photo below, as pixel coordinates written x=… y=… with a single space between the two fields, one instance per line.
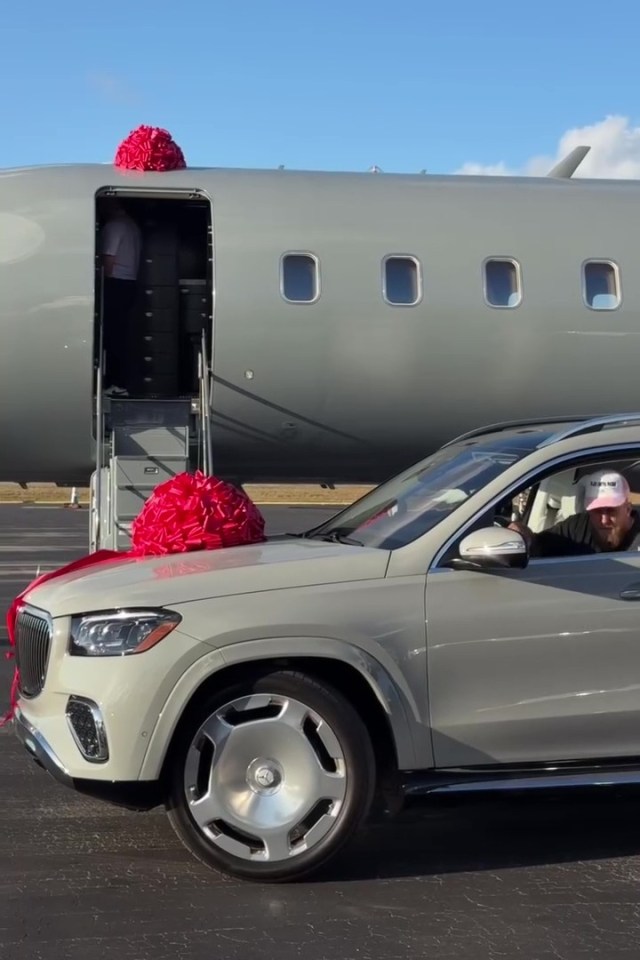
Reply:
x=140 y=443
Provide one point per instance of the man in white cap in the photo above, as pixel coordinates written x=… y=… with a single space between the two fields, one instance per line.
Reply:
x=608 y=522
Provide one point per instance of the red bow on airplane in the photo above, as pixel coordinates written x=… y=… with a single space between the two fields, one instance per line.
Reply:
x=149 y=148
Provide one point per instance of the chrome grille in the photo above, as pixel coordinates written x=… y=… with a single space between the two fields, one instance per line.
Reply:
x=33 y=641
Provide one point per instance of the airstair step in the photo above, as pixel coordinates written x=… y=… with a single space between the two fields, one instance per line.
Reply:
x=142 y=443
x=146 y=471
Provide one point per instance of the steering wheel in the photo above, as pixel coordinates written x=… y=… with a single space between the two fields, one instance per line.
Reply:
x=501 y=521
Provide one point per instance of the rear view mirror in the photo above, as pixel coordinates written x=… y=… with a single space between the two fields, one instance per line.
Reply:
x=491 y=548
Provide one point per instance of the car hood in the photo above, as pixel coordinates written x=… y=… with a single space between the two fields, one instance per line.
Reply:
x=180 y=578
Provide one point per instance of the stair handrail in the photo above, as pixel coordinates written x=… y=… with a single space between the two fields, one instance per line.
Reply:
x=99 y=415
x=204 y=374
x=201 y=439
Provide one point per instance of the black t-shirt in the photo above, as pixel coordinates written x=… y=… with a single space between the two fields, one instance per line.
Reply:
x=575 y=536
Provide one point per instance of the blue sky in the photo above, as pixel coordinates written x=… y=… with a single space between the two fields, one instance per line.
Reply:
x=405 y=85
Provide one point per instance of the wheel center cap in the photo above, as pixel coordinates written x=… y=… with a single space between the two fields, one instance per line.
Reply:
x=264 y=776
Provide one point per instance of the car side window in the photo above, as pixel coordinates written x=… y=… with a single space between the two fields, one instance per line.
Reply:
x=591 y=508
x=585 y=507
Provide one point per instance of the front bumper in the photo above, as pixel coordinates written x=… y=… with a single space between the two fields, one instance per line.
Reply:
x=95 y=718
x=36 y=745
x=132 y=795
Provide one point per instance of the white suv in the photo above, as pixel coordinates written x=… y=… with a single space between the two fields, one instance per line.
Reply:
x=412 y=644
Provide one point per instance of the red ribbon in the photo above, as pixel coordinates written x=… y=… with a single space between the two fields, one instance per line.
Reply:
x=187 y=513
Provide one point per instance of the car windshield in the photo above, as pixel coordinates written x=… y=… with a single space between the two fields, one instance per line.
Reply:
x=412 y=503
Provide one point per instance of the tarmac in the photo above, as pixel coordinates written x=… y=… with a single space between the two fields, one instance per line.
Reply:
x=521 y=878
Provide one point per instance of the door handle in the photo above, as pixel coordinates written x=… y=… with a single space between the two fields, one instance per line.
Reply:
x=633 y=593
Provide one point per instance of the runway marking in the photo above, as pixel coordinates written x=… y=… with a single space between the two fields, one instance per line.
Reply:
x=19 y=564
x=34 y=549
x=307 y=504
x=27 y=574
x=57 y=533
x=26 y=577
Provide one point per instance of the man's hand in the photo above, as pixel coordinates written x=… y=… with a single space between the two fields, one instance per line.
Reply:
x=523 y=530
x=108 y=264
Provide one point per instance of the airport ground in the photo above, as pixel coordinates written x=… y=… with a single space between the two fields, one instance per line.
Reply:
x=80 y=880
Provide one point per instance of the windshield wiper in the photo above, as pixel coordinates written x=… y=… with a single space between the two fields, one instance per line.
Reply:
x=336 y=536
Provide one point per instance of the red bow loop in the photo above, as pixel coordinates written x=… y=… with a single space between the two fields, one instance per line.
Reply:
x=195 y=512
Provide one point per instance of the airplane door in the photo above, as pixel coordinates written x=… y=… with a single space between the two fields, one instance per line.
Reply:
x=535 y=665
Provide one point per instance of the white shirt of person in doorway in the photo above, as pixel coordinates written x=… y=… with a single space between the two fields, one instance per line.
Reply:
x=120 y=246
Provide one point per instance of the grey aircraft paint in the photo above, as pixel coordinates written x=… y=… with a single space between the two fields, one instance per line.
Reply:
x=349 y=387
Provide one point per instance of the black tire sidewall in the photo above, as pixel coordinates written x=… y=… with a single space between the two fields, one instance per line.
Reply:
x=360 y=766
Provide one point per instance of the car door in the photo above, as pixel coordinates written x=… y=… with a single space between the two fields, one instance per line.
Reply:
x=535 y=665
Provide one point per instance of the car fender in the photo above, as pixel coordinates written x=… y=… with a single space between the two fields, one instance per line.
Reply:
x=412 y=740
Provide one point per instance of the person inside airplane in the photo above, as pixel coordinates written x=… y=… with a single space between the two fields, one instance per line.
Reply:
x=120 y=246
x=609 y=522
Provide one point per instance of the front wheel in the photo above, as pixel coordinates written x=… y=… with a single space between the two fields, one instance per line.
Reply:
x=272 y=777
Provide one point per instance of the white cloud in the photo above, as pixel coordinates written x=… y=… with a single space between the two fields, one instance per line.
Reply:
x=615 y=153
x=112 y=88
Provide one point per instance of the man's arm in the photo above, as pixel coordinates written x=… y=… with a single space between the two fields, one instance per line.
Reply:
x=111 y=239
x=108 y=264
x=556 y=541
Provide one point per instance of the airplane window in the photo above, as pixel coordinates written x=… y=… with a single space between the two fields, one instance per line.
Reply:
x=601 y=286
x=502 y=283
x=299 y=277
x=401 y=281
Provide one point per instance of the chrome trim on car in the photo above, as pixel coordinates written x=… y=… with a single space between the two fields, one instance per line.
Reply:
x=33 y=650
x=504 y=426
x=590 y=424
x=620 y=772
x=98 y=722
x=559 y=781
x=506 y=546
x=35 y=744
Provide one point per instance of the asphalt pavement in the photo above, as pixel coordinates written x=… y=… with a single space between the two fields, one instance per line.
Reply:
x=521 y=878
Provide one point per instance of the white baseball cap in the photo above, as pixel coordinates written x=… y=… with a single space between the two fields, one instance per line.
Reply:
x=605 y=489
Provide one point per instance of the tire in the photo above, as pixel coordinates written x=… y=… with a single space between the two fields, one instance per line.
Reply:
x=271 y=777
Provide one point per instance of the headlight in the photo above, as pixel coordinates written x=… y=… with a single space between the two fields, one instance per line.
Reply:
x=120 y=633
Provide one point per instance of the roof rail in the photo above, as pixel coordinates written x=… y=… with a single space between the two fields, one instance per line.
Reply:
x=514 y=424
x=594 y=424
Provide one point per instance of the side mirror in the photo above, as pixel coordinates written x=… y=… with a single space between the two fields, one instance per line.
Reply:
x=491 y=548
